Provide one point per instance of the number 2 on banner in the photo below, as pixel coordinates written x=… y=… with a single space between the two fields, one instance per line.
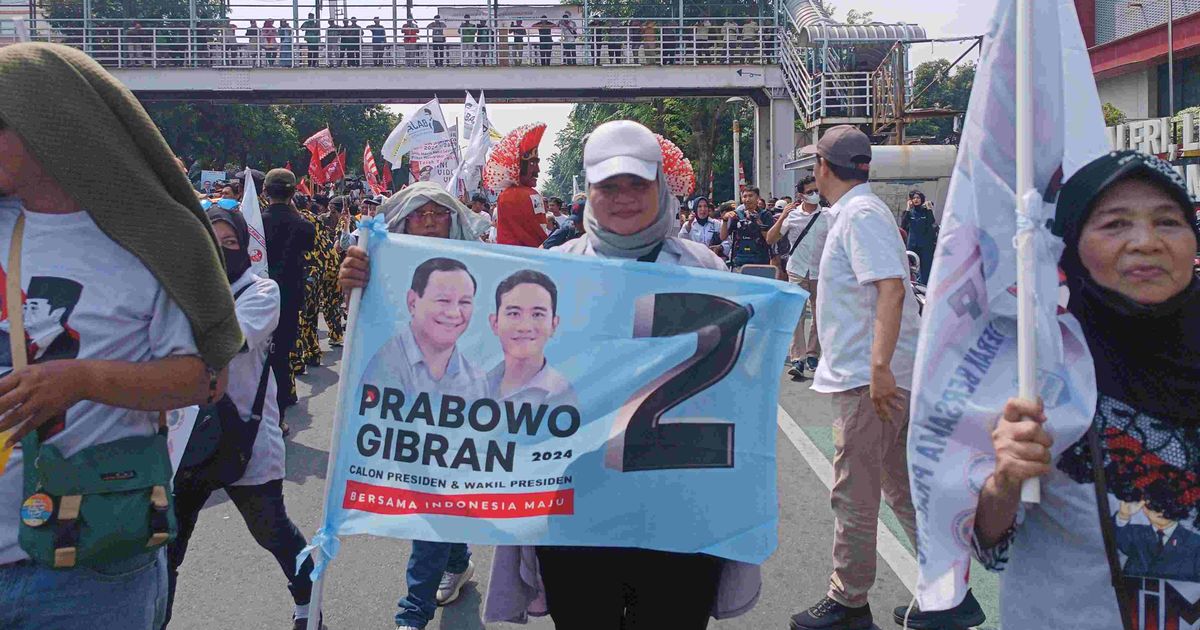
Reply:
x=640 y=440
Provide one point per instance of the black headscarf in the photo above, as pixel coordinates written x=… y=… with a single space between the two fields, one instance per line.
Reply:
x=1146 y=355
x=236 y=261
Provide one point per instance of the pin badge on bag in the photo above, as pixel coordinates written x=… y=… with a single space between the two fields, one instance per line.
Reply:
x=37 y=509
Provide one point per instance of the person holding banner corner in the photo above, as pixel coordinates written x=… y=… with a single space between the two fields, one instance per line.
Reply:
x=629 y=215
x=426 y=351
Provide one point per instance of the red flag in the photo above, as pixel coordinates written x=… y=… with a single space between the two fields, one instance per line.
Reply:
x=302 y=187
x=288 y=166
x=387 y=177
x=334 y=168
x=371 y=171
x=316 y=171
x=320 y=144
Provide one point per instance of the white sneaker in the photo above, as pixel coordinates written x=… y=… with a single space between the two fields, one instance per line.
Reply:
x=452 y=583
x=407 y=628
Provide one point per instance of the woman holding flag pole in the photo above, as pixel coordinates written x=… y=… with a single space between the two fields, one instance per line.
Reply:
x=1086 y=488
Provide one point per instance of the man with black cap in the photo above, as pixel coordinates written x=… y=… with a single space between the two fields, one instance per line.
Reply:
x=867 y=322
x=289 y=236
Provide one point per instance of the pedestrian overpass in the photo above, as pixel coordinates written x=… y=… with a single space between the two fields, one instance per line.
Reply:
x=785 y=57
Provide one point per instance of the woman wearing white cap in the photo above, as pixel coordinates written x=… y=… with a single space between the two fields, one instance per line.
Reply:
x=629 y=214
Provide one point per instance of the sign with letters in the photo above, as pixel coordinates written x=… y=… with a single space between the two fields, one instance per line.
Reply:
x=502 y=395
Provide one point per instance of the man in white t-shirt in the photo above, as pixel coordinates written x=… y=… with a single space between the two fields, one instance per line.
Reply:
x=868 y=324
x=108 y=345
x=805 y=245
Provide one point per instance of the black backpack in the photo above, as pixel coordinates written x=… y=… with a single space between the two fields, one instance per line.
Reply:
x=221 y=443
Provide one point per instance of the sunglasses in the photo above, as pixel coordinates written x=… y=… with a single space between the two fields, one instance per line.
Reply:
x=440 y=214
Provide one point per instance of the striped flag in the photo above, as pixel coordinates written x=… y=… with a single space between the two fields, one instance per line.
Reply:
x=966 y=364
x=371 y=171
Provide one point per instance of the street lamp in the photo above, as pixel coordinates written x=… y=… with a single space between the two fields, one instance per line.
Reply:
x=737 y=154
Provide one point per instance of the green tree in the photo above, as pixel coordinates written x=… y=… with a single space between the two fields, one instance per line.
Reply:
x=700 y=126
x=951 y=88
x=1113 y=116
x=264 y=137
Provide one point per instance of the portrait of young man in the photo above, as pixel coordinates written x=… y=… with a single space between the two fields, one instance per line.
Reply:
x=526 y=318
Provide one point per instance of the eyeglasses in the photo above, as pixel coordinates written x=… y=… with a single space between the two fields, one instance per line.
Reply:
x=438 y=214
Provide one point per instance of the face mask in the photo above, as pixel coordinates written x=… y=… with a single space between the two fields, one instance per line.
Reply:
x=237 y=261
x=812 y=198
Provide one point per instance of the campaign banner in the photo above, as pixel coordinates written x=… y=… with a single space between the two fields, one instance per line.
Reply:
x=501 y=395
x=424 y=126
x=209 y=179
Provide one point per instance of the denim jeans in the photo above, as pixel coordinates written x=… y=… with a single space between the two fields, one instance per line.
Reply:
x=127 y=595
x=425 y=567
x=263 y=510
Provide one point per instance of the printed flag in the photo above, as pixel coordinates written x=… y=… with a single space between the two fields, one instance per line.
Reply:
x=966 y=363
x=470 y=171
x=426 y=125
x=258 y=239
x=371 y=171
x=321 y=143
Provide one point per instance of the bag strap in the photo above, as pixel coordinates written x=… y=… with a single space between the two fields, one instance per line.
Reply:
x=14 y=303
x=804 y=232
x=260 y=397
x=1107 y=529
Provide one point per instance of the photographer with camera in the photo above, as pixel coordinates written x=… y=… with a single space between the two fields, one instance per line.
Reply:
x=745 y=228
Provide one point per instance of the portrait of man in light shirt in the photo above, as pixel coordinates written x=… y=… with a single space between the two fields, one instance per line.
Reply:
x=526 y=318
x=424 y=356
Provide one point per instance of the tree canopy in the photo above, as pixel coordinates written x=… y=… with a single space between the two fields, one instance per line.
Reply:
x=953 y=92
x=220 y=136
x=702 y=127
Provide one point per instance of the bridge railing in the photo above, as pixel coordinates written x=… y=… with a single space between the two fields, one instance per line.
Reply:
x=842 y=95
x=287 y=44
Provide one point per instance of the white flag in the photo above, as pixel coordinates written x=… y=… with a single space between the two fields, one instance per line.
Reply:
x=470 y=112
x=481 y=141
x=966 y=366
x=424 y=126
x=253 y=216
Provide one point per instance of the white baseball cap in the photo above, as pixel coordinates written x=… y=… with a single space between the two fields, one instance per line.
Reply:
x=621 y=147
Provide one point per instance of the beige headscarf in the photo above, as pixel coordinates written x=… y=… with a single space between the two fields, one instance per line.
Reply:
x=465 y=225
x=87 y=131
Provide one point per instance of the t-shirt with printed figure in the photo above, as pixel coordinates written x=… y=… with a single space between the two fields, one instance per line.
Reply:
x=520 y=217
x=86 y=297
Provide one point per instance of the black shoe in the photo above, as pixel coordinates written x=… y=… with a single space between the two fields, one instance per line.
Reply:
x=830 y=615
x=812 y=363
x=797 y=369
x=968 y=614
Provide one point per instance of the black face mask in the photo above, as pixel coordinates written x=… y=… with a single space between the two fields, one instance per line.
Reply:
x=237 y=261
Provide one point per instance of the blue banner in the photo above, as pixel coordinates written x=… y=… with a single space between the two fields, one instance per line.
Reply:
x=503 y=395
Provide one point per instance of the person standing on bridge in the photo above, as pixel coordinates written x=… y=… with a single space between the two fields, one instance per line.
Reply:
x=437 y=35
x=312 y=41
x=518 y=38
x=545 y=29
x=868 y=324
x=569 y=34
x=378 y=42
x=270 y=41
x=411 y=32
x=352 y=36
x=254 y=39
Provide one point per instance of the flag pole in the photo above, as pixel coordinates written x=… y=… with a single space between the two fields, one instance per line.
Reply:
x=343 y=395
x=1026 y=253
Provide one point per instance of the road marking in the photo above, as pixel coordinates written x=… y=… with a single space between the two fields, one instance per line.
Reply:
x=894 y=554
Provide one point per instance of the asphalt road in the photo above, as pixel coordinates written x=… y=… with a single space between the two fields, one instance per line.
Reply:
x=229 y=582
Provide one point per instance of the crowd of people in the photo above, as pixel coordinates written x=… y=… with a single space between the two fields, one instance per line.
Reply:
x=471 y=41
x=122 y=324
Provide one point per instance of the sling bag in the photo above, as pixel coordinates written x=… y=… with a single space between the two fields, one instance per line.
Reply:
x=221 y=443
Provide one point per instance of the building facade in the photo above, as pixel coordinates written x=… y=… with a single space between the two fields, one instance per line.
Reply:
x=1127 y=41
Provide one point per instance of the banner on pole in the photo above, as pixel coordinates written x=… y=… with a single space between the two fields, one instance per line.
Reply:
x=426 y=125
x=258 y=239
x=966 y=364
x=436 y=161
x=480 y=410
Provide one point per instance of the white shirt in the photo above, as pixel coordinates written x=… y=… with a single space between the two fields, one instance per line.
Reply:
x=86 y=298
x=806 y=258
x=863 y=247
x=258 y=314
x=702 y=234
x=547 y=387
